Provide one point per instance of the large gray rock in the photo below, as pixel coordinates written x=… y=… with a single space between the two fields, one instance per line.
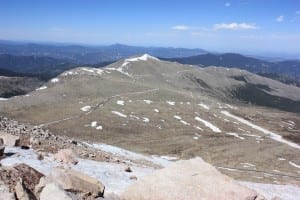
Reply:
x=192 y=180
x=53 y=192
x=9 y=140
x=72 y=180
x=66 y=156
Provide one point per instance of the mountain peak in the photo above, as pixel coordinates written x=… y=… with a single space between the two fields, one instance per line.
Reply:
x=144 y=57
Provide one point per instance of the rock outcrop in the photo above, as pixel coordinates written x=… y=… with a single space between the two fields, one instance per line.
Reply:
x=9 y=140
x=191 y=179
x=66 y=156
x=53 y=192
x=71 y=180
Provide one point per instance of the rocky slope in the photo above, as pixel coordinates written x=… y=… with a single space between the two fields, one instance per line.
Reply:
x=84 y=170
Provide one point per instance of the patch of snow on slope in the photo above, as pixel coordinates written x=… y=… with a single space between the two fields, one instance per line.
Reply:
x=156 y=110
x=272 y=135
x=185 y=123
x=209 y=125
x=111 y=175
x=145 y=119
x=119 y=114
x=197 y=127
x=94 y=124
x=203 y=106
x=42 y=88
x=3 y=99
x=172 y=103
x=85 y=108
x=54 y=80
x=284 y=192
x=148 y=101
x=144 y=57
x=294 y=164
x=129 y=154
x=236 y=135
x=69 y=73
x=120 y=102
x=177 y=117
x=92 y=70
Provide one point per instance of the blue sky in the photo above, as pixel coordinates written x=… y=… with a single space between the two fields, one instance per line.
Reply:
x=246 y=26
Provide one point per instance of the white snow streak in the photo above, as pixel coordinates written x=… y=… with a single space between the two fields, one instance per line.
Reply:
x=54 y=80
x=148 y=101
x=209 y=125
x=236 y=135
x=120 y=102
x=85 y=108
x=172 y=103
x=294 y=164
x=272 y=135
x=204 y=106
x=119 y=114
x=42 y=88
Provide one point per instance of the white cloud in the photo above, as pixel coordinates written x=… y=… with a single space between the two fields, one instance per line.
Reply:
x=181 y=27
x=227 y=4
x=234 y=26
x=280 y=18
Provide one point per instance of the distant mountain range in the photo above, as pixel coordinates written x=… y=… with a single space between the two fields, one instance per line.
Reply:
x=91 y=54
x=285 y=71
x=46 y=61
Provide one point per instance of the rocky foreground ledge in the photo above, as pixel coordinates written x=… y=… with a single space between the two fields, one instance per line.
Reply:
x=36 y=164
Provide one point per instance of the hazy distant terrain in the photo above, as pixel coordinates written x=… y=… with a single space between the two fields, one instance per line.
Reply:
x=83 y=54
x=285 y=71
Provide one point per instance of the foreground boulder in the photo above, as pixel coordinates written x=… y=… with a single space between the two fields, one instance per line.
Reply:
x=75 y=181
x=191 y=179
x=9 y=140
x=53 y=192
x=66 y=156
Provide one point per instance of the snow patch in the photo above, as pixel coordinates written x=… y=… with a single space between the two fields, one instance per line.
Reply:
x=94 y=124
x=236 y=135
x=92 y=70
x=209 y=125
x=144 y=57
x=284 y=192
x=145 y=119
x=54 y=80
x=119 y=114
x=294 y=164
x=172 y=103
x=177 y=117
x=204 y=106
x=156 y=110
x=148 y=101
x=120 y=102
x=111 y=175
x=272 y=135
x=85 y=108
x=185 y=123
x=42 y=88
